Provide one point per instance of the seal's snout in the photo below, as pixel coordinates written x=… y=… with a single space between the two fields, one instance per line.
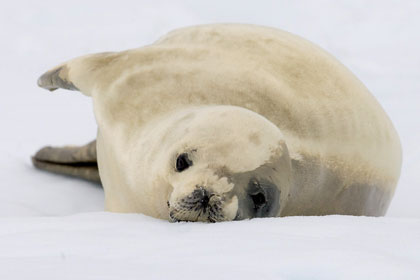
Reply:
x=204 y=197
x=201 y=205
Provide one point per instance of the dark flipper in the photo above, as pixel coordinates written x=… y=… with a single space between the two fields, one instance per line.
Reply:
x=55 y=79
x=78 y=162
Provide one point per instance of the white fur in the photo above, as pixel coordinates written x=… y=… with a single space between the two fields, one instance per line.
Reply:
x=324 y=113
x=146 y=175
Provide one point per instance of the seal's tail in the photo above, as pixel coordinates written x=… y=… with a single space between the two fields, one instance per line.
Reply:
x=81 y=73
x=78 y=162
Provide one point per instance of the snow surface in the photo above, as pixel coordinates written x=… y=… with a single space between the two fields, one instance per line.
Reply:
x=43 y=237
x=117 y=246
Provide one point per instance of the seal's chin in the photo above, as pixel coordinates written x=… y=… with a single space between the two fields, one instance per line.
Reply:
x=203 y=206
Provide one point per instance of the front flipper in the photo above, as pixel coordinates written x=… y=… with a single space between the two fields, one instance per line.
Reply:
x=78 y=162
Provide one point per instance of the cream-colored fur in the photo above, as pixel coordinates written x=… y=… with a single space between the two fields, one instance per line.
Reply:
x=344 y=148
x=138 y=165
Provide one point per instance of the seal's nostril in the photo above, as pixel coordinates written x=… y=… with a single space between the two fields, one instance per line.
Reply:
x=205 y=200
x=203 y=196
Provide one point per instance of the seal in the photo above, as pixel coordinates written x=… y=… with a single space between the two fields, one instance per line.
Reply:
x=228 y=122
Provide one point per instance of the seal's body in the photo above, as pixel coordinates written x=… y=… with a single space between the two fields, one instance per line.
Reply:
x=222 y=100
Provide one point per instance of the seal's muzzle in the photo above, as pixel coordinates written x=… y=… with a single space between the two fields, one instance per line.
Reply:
x=200 y=205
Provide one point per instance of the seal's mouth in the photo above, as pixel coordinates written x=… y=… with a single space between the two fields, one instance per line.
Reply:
x=200 y=206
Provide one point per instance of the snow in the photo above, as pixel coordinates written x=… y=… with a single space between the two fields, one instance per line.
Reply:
x=53 y=227
x=117 y=246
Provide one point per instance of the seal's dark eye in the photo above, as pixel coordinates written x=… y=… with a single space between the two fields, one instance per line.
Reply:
x=258 y=199
x=257 y=194
x=183 y=162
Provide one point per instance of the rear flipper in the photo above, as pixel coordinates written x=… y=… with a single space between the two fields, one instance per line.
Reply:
x=78 y=162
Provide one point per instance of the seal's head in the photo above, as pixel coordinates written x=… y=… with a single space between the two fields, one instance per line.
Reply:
x=223 y=163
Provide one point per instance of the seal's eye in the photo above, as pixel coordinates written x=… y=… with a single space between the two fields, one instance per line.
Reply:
x=183 y=162
x=258 y=199
x=257 y=195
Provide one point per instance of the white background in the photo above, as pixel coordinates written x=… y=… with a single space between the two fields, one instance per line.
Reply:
x=378 y=40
